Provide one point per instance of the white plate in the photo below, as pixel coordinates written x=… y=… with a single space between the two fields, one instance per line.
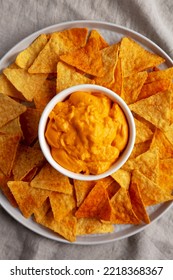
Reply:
x=112 y=33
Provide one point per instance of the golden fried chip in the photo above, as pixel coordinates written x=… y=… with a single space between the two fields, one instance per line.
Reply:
x=61 y=204
x=131 y=86
x=27 y=198
x=40 y=212
x=143 y=132
x=151 y=193
x=82 y=189
x=26 y=57
x=137 y=203
x=27 y=84
x=147 y=163
x=7 y=88
x=9 y=109
x=45 y=94
x=96 y=204
x=27 y=158
x=29 y=123
x=101 y=43
x=122 y=212
x=109 y=58
x=12 y=128
x=154 y=87
x=160 y=75
x=50 y=179
x=169 y=133
x=160 y=141
x=122 y=177
x=166 y=175
x=58 y=44
x=5 y=189
x=140 y=148
x=134 y=58
x=9 y=145
x=67 y=77
x=158 y=109
x=92 y=226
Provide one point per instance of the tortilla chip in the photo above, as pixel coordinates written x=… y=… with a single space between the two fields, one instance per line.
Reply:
x=109 y=58
x=9 y=145
x=27 y=198
x=169 y=133
x=50 y=179
x=67 y=77
x=160 y=141
x=140 y=148
x=26 y=159
x=9 y=109
x=131 y=86
x=5 y=189
x=143 y=132
x=66 y=227
x=147 y=163
x=122 y=212
x=122 y=177
x=12 y=128
x=27 y=84
x=82 y=189
x=45 y=94
x=151 y=193
x=158 y=109
x=40 y=212
x=137 y=203
x=30 y=175
x=160 y=75
x=61 y=204
x=92 y=226
x=135 y=58
x=8 y=89
x=154 y=87
x=166 y=175
x=101 y=43
x=29 y=123
x=26 y=57
x=96 y=204
x=59 y=43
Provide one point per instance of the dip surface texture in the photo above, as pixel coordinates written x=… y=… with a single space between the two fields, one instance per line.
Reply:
x=86 y=132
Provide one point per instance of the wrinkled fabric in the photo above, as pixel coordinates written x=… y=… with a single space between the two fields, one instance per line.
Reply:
x=153 y=19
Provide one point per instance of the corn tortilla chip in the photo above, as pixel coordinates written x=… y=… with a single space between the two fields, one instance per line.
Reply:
x=159 y=75
x=154 y=87
x=165 y=147
x=92 y=226
x=82 y=189
x=166 y=175
x=122 y=177
x=143 y=132
x=5 y=189
x=140 y=148
x=45 y=94
x=7 y=88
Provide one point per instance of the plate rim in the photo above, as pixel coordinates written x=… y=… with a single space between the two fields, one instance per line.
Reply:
x=97 y=25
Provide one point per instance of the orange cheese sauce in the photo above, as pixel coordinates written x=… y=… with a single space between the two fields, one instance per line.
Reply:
x=87 y=132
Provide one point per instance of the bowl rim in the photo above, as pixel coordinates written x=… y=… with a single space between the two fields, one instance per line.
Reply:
x=62 y=96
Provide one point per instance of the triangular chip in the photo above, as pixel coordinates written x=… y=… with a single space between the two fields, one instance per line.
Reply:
x=9 y=109
x=58 y=44
x=140 y=148
x=12 y=128
x=5 y=189
x=109 y=58
x=45 y=94
x=27 y=198
x=8 y=149
x=29 y=123
x=26 y=57
x=122 y=212
x=92 y=226
x=137 y=203
x=147 y=163
x=96 y=204
x=151 y=193
x=27 y=84
x=154 y=87
x=122 y=177
x=82 y=189
x=67 y=76
x=50 y=179
x=40 y=212
x=165 y=147
x=61 y=204
x=158 y=109
x=131 y=86
x=159 y=75
x=143 y=132
x=166 y=175
x=27 y=158
x=7 y=88
x=135 y=58
x=116 y=86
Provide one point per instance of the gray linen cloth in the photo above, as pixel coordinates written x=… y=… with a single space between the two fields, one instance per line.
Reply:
x=153 y=19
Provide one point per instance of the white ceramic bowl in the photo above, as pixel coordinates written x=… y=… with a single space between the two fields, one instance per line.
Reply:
x=62 y=96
